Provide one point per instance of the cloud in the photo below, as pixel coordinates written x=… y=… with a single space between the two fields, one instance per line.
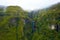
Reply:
x=29 y=4
x=36 y=4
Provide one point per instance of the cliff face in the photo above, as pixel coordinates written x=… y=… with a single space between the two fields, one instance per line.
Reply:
x=17 y=24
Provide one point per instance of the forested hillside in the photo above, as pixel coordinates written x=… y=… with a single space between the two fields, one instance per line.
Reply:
x=18 y=24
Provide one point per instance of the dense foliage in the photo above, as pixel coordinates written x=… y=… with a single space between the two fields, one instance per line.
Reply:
x=17 y=24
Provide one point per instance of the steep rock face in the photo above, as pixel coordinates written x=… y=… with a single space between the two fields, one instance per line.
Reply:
x=13 y=22
x=35 y=25
x=55 y=14
x=2 y=14
x=2 y=8
x=56 y=6
x=48 y=23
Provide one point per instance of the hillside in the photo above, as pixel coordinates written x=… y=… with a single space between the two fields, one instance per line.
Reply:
x=18 y=24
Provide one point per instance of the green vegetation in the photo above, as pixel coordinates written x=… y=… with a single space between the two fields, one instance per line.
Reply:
x=18 y=24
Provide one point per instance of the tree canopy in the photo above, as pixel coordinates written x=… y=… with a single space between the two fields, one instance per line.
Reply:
x=18 y=24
